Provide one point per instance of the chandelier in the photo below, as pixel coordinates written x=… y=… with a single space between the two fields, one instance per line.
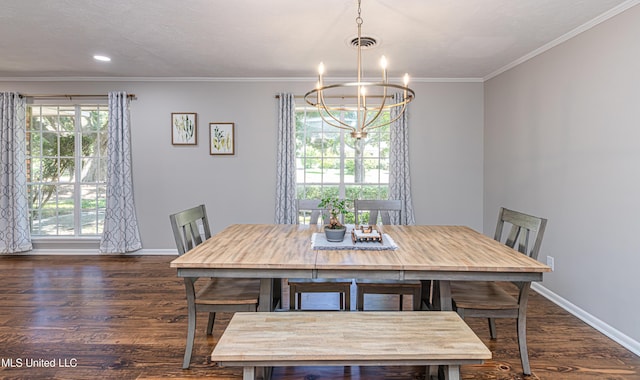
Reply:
x=371 y=98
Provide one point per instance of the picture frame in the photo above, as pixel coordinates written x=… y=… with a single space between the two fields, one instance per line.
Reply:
x=222 y=138
x=184 y=128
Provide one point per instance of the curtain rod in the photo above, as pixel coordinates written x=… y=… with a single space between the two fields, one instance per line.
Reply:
x=71 y=96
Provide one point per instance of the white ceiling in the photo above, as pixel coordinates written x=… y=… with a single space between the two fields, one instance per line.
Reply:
x=280 y=38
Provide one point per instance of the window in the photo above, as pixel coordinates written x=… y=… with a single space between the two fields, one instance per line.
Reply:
x=330 y=161
x=66 y=169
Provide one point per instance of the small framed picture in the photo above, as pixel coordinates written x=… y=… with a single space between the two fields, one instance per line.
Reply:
x=221 y=138
x=184 y=128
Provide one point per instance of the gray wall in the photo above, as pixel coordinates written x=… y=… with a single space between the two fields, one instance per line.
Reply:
x=446 y=122
x=562 y=140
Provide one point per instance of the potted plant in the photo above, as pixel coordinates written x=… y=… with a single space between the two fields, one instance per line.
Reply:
x=334 y=231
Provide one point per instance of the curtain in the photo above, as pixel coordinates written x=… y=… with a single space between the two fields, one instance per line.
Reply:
x=286 y=208
x=399 y=178
x=120 y=232
x=15 y=235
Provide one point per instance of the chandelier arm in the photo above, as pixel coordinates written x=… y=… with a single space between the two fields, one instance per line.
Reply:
x=380 y=108
x=342 y=124
x=400 y=114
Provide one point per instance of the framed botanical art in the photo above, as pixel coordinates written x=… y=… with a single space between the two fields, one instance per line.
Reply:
x=221 y=138
x=184 y=128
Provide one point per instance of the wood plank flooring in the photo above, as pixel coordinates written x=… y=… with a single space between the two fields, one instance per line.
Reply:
x=111 y=317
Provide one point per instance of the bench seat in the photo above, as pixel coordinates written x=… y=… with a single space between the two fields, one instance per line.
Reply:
x=348 y=338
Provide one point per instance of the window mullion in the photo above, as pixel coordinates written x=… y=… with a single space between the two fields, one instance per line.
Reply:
x=342 y=191
x=77 y=194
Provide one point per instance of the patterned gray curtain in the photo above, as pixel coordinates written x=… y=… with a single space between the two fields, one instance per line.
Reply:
x=14 y=211
x=120 y=232
x=399 y=178
x=286 y=212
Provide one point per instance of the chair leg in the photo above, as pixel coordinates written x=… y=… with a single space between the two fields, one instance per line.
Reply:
x=299 y=300
x=292 y=297
x=425 y=294
x=212 y=318
x=401 y=302
x=347 y=299
x=341 y=305
x=522 y=343
x=191 y=329
x=417 y=300
x=492 y=328
x=360 y=300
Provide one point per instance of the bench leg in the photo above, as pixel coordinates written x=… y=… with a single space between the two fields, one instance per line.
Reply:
x=249 y=373
x=453 y=372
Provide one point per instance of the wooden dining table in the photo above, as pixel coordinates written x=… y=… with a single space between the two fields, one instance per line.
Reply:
x=272 y=252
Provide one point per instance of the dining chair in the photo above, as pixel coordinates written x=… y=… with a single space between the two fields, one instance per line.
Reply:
x=190 y=228
x=380 y=211
x=492 y=300
x=308 y=208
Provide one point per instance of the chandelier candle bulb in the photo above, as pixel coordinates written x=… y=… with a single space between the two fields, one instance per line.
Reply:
x=363 y=92
x=383 y=63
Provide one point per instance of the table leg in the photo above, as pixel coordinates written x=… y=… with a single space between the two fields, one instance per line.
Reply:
x=444 y=288
x=270 y=290
x=442 y=301
x=266 y=294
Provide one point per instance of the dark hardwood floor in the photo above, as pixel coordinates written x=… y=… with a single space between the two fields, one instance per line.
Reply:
x=91 y=317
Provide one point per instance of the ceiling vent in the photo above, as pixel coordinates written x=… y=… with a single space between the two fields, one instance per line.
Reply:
x=365 y=42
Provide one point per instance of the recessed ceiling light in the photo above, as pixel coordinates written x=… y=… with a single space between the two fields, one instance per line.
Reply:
x=102 y=58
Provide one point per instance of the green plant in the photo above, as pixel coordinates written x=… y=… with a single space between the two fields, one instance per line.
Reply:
x=335 y=206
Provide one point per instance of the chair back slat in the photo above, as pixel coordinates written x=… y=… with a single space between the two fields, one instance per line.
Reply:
x=378 y=209
x=523 y=227
x=311 y=206
x=190 y=228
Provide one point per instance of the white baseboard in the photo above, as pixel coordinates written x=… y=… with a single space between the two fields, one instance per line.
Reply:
x=616 y=335
x=84 y=252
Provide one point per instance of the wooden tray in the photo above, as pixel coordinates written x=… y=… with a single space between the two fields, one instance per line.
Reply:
x=370 y=235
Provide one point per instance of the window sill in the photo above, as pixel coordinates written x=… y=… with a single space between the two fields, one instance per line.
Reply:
x=65 y=242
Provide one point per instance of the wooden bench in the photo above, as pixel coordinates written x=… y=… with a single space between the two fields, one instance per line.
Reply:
x=348 y=338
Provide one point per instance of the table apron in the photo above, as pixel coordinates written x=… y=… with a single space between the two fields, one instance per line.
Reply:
x=246 y=273
x=472 y=276
x=366 y=274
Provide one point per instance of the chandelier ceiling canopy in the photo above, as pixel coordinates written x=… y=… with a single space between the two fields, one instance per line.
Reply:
x=371 y=98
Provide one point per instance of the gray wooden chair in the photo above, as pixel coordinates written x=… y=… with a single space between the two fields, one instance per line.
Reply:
x=190 y=228
x=491 y=300
x=309 y=209
x=380 y=211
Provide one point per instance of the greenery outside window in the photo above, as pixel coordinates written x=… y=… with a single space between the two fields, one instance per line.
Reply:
x=66 y=169
x=330 y=162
